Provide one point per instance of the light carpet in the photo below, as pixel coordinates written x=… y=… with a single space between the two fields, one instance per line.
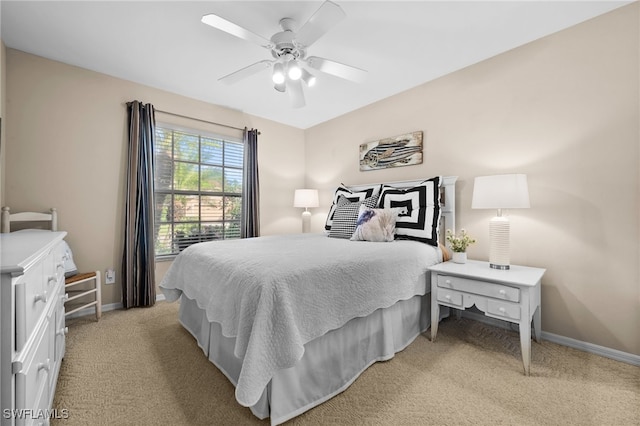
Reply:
x=140 y=367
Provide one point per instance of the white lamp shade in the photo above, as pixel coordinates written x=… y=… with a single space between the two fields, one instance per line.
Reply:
x=306 y=198
x=501 y=192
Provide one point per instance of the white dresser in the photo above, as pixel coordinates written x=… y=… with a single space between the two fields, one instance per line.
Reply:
x=32 y=328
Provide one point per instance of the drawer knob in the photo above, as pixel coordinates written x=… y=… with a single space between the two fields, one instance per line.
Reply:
x=447 y=281
x=52 y=278
x=63 y=331
x=44 y=366
x=41 y=298
x=65 y=297
x=448 y=297
x=503 y=310
x=502 y=292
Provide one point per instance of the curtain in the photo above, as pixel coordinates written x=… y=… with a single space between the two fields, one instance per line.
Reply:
x=138 y=259
x=250 y=221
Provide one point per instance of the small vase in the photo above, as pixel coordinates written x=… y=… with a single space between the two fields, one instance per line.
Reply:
x=459 y=257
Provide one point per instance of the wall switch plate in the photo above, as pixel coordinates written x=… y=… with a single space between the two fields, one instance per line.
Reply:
x=110 y=276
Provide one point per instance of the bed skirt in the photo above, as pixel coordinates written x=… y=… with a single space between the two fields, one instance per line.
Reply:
x=330 y=363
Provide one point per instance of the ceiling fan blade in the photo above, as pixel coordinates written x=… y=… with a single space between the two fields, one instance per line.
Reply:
x=236 y=30
x=294 y=89
x=245 y=72
x=328 y=15
x=336 y=68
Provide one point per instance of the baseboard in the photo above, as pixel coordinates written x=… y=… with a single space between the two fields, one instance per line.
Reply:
x=562 y=340
x=109 y=307
x=594 y=349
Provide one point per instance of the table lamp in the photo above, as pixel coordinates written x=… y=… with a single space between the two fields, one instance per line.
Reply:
x=500 y=192
x=306 y=198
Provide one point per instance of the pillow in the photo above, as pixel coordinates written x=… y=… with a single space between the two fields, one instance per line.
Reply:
x=375 y=225
x=351 y=196
x=69 y=265
x=346 y=215
x=419 y=210
x=70 y=268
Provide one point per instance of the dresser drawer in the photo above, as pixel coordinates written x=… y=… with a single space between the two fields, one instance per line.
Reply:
x=61 y=329
x=482 y=288
x=53 y=266
x=31 y=301
x=35 y=290
x=450 y=298
x=32 y=377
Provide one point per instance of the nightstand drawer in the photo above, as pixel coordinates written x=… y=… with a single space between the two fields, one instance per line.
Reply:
x=503 y=309
x=451 y=298
x=483 y=288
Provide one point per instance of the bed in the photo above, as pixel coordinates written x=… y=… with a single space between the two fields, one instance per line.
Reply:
x=293 y=320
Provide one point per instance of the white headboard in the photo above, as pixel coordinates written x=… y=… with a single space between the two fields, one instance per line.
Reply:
x=447 y=198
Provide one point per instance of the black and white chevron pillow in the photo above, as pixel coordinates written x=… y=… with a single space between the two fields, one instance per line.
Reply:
x=346 y=216
x=351 y=196
x=419 y=210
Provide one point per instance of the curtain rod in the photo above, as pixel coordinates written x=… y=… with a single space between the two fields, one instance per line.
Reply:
x=201 y=120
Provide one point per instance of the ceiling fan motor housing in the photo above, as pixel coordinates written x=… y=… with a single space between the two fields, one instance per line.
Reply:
x=284 y=41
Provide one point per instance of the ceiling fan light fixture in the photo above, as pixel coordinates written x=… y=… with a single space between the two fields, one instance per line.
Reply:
x=289 y=51
x=308 y=78
x=278 y=76
x=293 y=70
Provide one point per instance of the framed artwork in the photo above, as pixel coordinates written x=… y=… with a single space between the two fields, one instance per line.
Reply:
x=403 y=150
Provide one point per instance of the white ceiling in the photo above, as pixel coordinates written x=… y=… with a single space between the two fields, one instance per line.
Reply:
x=163 y=44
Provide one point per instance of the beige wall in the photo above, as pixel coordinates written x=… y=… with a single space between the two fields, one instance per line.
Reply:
x=3 y=90
x=565 y=111
x=66 y=132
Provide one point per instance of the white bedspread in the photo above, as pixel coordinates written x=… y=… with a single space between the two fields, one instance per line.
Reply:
x=276 y=293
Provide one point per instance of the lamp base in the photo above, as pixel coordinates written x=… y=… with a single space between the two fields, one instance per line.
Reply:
x=306 y=222
x=501 y=267
x=499 y=243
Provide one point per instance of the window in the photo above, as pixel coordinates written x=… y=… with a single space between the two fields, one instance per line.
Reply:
x=198 y=188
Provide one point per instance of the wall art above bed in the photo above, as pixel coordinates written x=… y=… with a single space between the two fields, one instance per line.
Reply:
x=403 y=150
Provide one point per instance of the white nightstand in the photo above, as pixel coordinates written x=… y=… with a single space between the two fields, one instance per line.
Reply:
x=511 y=295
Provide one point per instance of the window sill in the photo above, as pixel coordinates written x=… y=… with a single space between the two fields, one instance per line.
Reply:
x=166 y=258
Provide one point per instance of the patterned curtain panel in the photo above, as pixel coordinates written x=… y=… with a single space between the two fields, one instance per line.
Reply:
x=138 y=259
x=250 y=221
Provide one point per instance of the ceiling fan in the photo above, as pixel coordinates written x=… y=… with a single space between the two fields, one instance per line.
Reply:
x=289 y=50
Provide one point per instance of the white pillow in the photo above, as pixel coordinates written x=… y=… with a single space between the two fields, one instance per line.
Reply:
x=377 y=225
x=69 y=266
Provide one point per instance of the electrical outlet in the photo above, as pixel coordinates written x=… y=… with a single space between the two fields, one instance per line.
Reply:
x=110 y=276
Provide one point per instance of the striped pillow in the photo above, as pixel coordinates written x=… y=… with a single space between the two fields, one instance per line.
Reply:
x=346 y=216
x=419 y=210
